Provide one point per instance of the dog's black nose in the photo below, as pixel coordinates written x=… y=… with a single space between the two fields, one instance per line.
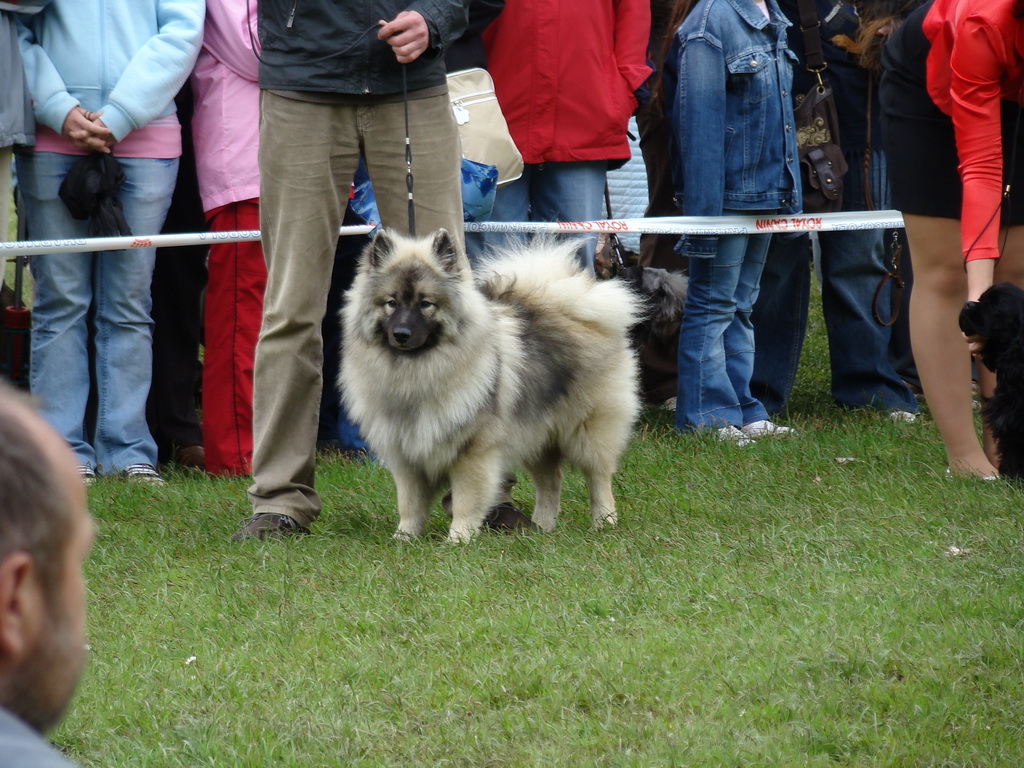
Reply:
x=969 y=317
x=401 y=334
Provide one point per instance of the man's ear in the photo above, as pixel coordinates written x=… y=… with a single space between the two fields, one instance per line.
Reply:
x=22 y=607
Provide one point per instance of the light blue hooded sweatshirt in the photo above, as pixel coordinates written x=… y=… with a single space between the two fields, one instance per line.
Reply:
x=124 y=58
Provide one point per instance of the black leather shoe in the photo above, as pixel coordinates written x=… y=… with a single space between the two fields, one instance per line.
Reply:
x=191 y=456
x=508 y=517
x=268 y=525
x=505 y=516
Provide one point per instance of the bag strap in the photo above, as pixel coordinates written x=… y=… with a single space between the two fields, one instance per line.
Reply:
x=810 y=28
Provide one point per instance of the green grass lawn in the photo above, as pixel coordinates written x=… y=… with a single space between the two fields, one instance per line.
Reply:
x=829 y=600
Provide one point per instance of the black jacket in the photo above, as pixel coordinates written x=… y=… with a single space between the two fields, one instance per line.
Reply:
x=331 y=46
x=468 y=50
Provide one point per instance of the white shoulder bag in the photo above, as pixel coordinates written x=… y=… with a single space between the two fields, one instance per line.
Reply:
x=482 y=127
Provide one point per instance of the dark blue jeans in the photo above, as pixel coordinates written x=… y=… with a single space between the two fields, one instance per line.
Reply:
x=334 y=423
x=852 y=264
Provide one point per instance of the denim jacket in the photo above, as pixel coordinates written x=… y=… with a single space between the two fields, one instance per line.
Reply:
x=727 y=83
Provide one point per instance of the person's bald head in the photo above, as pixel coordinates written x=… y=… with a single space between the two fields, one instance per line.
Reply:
x=45 y=535
x=39 y=490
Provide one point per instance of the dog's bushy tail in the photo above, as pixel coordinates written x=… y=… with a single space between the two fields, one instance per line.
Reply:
x=546 y=270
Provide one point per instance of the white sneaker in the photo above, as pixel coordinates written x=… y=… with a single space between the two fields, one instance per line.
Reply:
x=732 y=434
x=764 y=428
x=907 y=417
x=87 y=473
x=143 y=473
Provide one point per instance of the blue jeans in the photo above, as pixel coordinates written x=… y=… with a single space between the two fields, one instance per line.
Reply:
x=852 y=264
x=716 y=337
x=549 y=192
x=110 y=287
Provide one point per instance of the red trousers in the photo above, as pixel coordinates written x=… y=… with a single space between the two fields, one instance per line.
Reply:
x=234 y=310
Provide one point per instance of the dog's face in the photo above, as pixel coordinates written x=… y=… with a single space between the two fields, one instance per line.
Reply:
x=411 y=287
x=998 y=316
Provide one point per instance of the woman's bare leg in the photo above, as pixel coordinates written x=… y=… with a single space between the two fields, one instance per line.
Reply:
x=940 y=351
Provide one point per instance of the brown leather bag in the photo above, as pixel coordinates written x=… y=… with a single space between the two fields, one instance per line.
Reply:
x=822 y=164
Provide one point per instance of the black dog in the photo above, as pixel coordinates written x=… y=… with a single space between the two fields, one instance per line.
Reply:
x=998 y=316
x=664 y=294
x=657 y=337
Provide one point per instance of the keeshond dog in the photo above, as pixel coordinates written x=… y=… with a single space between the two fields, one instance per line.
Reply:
x=460 y=378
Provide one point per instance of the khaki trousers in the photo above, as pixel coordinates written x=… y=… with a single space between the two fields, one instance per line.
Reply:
x=308 y=155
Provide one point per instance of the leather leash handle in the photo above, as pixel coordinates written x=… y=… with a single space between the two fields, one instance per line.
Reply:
x=894 y=274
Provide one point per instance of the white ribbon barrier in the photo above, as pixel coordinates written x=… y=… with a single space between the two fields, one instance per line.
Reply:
x=707 y=225
x=80 y=245
x=665 y=225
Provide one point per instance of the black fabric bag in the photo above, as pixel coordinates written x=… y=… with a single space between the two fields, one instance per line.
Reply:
x=89 y=192
x=822 y=165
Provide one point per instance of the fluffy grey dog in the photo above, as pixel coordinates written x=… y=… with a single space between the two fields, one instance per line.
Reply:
x=459 y=379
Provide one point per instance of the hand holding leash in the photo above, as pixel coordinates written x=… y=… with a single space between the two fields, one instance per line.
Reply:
x=407 y=34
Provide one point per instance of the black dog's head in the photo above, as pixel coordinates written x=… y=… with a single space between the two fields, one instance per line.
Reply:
x=998 y=316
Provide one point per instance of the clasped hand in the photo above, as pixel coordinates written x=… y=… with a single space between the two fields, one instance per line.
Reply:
x=87 y=130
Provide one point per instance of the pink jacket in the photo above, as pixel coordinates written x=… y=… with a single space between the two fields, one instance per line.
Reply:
x=225 y=123
x=565 y=71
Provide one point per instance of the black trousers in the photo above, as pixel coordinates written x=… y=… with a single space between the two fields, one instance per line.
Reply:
x=179 y=280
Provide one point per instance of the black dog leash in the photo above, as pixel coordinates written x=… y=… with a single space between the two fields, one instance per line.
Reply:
x=408 y=156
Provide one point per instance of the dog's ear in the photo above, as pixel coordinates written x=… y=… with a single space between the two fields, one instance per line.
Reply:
x=445 y=252
x=380 y=249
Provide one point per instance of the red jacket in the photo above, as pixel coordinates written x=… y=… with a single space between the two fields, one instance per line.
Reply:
x=565 y=72
x=976 y=61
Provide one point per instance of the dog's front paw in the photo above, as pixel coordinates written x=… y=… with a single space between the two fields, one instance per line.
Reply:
x=462 y=534
x=405 y=535
x=545 y=519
